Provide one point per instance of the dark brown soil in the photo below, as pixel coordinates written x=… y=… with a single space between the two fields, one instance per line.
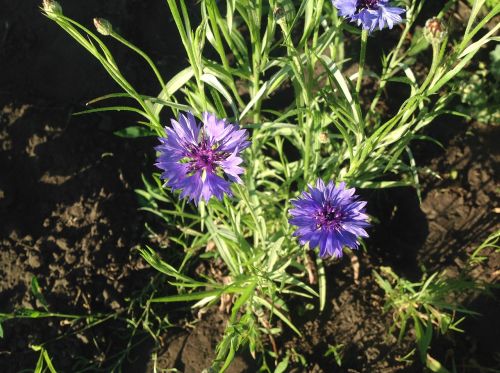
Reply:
x=68 y=210
x=68 y=216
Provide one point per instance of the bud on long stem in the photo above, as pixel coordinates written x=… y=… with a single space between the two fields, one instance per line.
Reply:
x=103 y=26
x=435 y=31
x=51 y=7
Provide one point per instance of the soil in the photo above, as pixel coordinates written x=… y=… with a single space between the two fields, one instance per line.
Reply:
x=68 y=217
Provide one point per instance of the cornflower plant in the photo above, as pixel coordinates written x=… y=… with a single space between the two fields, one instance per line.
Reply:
x=243 y=174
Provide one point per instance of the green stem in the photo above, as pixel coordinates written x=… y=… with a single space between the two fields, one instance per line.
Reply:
x=362 y=55
x=214 y=15
x=255 y=40
x=393 y=63
x=251 y=210
x=307 y=151
x=435 y=64
x=303 y=90
x=142 y=54
x=74 y=29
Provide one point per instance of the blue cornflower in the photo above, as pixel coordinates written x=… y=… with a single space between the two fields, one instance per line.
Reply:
x=330 y=217
x=201 y=161
x=369 y=13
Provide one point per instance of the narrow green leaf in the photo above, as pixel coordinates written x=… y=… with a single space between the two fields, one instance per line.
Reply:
x=113 y=108
x=262 y=90
x=212 y=80
x=48 y=362
x=278 y=313
x=39 y=364
x=222 y=246
x=37 y=292
x=187 y=297
x=134 y=132
x=244 y=297
x=434 y=365
x=199 y=295
x=108 y=96
x=281 y=367
x=155 y=261
x=423 y=336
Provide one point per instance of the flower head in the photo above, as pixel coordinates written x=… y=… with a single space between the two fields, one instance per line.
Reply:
x=201 y=161
x=369 y=13
x=330 y=217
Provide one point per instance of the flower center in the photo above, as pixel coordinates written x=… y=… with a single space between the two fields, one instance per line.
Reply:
x=366 y=4
x=329 y=218
x=204 y=157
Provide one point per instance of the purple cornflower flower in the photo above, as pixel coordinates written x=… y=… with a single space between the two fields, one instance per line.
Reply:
x=329 y=217
x=201 y=161
x=369 y=13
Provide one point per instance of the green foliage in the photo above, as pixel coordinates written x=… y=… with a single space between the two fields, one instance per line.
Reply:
x=478 y=90
x=490 y=4
x=44 y=363
x=430 y=305
x=490 y=243
x=37 y=292
x=336 y=351
x=133 y=132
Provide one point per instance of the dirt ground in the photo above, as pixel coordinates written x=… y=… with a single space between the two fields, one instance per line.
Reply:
x=68 y=216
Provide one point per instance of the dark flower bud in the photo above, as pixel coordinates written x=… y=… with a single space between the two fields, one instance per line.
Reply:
x=435 y=31
x=51 y=7
x=103 y=26
x=323 y=138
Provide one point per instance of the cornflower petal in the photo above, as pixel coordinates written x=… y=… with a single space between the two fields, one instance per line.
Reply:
x=216 y=128
x=230 y=166
x=369 y=14
x=186 y=128
x=346 y=7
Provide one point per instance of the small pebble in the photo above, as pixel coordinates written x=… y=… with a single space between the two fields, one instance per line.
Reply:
x=69 y=258
x=62 y=244
x=34 y=260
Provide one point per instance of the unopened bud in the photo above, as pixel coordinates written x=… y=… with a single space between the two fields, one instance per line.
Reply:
x=435 y=30
x=210 y=246
x=103 y=26
x=323 y=138
x=51 y=7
